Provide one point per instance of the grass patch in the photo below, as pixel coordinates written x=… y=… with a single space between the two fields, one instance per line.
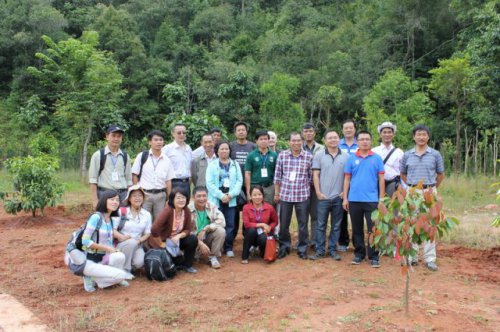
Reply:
x=349 y=319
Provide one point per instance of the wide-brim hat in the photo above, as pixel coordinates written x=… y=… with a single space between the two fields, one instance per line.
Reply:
x=133 y=188
x=387 y=124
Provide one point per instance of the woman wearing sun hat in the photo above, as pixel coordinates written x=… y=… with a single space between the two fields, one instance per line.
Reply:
x=133 y=228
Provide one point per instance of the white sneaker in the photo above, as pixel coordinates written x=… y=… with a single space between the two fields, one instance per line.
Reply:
x=214 y=262
x=88 y=284
x=123 y=283
x=230 y=254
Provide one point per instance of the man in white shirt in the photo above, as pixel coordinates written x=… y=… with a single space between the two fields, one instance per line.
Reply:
x=181 y=156
x=390 y=155
x=154 y=172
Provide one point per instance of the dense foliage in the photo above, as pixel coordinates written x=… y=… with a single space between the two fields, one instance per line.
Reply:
x=69 y=68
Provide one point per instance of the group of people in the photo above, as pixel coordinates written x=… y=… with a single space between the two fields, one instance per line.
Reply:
x=344 y=177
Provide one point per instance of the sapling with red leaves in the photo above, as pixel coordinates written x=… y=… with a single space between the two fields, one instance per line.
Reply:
x=410 y=216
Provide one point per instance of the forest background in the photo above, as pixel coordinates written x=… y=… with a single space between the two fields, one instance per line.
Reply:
x=70 y=68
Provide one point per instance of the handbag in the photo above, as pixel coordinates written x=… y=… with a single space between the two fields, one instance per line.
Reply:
x=241 y=199
x=270 y=254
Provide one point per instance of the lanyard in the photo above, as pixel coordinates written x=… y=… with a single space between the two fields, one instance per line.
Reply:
x=225 y=169
x=114 y=159
x=155 y=164
x=263 y=159
x=258 y=216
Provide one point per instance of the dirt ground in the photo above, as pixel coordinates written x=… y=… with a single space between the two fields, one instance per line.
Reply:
x=288 y=295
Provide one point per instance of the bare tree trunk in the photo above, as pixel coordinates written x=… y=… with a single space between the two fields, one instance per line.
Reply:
x=458 y=145
x=467 y=149
x=83 y=160
x=495 y=155
x=476 y=147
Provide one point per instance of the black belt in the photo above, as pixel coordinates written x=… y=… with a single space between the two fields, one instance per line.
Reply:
x=396 y=179
x=180 y=180
x=154 y=191
x=425 y=186
x=119 y=190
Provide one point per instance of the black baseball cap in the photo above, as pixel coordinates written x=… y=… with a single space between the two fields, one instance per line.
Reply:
x=114 y=129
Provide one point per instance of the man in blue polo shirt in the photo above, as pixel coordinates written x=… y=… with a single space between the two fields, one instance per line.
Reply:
x=347 y=145
x=423 y=163
x=364 y=186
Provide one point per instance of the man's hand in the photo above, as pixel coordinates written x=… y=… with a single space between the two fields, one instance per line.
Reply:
x=345 y=204
x=276 y=198
x=320 y=195
x=203 y=249
x=201 y=235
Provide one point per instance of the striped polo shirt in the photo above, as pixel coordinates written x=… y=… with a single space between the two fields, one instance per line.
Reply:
x=424 y=168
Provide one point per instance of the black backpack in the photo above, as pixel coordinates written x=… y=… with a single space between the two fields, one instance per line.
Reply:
x=75 y=240
x=159 y=265
x=103 y=157
x=144 y=158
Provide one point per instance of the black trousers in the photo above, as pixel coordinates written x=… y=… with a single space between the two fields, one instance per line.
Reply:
x=361 y=211
x=187 y=244
x=252 y=238
x=344 y=231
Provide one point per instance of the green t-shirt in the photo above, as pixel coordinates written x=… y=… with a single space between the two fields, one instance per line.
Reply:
x=201 y=220
x=256 y=161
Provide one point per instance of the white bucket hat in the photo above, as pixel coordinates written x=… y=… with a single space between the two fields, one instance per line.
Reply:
x=387 y=124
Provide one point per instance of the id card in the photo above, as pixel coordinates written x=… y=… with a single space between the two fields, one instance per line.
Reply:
x=114 y=176
x=292 y=176
x=225 y=184
x=259 y=231
x=263 y=172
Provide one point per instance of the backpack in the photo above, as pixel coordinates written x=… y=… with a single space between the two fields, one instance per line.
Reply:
x=144 y=158
x=159 y=265
x=75 y=240
x=103 y=157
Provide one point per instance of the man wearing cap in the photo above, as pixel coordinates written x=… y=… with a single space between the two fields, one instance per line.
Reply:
x=200 y=164
x=154 y=172
x=313 y=147
x=181 y=156
x=390 y=155
x=259 y=167
x=423 y=164
x=348 y=145
x=208 y=225
x=110 y=166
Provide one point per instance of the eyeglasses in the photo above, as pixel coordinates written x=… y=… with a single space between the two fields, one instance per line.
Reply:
x=181 y=132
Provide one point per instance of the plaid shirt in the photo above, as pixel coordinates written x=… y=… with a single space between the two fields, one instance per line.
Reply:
x=298 y=190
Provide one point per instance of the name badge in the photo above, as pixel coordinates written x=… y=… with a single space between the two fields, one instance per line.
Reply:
x=114 y=176
x=292 y=176
x=263 y=172
x=259 y=231
x=226 y=183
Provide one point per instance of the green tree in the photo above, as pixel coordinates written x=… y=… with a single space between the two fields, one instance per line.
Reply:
x=451 y=82
x=85 y=87
x=327 y=99
x=35 y=184
x=278 y=108
x=396 y=98
x=198 y=124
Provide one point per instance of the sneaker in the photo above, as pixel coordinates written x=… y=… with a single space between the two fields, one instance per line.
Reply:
x=356 y=261
x=375 y=263
x=342 y=248
x=123 y=283
x=282 y=253
x=190 y=269
x=214 y=262
x=335 y=256
x=302 y=255
x=315 y=257
x=230 y=254
x=431 y=266
x=244 y=261
x=88 y=284
x=252 y=249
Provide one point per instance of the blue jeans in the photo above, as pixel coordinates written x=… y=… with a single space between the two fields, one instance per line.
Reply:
x=229 y=214
x=334 y=207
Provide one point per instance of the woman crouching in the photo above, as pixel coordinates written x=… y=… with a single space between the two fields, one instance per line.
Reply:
x=172 y=229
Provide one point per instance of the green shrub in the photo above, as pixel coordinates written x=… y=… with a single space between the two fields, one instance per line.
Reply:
x=35 y=184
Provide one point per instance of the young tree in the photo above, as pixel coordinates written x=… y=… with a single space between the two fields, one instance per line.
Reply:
x=411 y=216
x=452 y=83
x=85 y=88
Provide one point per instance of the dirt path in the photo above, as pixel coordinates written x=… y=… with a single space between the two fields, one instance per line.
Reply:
x=289 y=295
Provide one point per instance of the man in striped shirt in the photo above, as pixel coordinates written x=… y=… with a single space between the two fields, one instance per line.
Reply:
x=423 y=163
x=293 y=179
